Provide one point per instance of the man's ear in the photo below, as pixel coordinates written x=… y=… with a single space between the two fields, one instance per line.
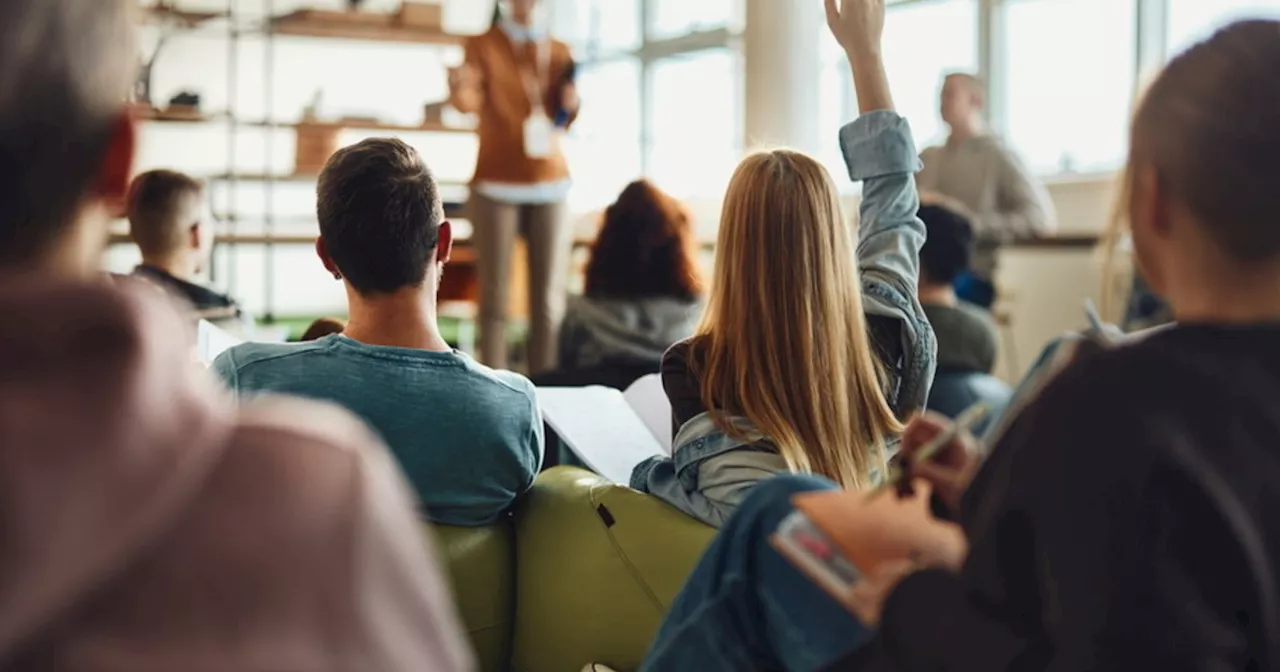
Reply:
x=444 y=242
x=112 y=184
x=327 y=260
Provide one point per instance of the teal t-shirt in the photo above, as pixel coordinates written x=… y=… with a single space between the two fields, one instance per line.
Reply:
x=468 y=437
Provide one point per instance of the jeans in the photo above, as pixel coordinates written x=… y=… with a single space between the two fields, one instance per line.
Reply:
x=745 y=607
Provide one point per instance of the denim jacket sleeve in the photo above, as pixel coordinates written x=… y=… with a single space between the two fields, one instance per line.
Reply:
x=879 y=151
x=723 y=481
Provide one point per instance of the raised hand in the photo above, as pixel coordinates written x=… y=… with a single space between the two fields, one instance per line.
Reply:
x=858 y=25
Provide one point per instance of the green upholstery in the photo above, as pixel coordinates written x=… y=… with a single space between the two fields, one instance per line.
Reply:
x=480 y=562
x=588 y=590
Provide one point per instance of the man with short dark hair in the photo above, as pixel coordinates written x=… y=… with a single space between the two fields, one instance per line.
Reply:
x=148 y=523
x=469 y=437
x=167 y=220
x=975 y=170
x=966 y=334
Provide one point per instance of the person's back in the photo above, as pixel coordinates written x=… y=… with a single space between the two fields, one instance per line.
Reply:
x=168 y=220
x=643 y=288
x=148 y=523
x=469 y=438
x=966 y=333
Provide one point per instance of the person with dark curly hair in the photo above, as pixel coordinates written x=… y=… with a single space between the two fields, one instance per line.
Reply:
x=643 y=289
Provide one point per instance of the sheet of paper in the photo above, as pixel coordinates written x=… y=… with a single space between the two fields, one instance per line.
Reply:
x=884 y=528
x=649 y=400
x=212 y=341
x=600 y=427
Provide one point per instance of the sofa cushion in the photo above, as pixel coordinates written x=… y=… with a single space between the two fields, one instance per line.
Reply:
x=598 y=565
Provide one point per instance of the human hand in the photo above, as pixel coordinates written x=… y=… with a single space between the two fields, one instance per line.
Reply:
x=463 y=78
x=858 y=25
x=569 y=100
x=951 y=469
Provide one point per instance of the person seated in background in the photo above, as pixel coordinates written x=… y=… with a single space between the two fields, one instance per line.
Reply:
x=148 y=523
x=814 y=348
x=1128 y=518
x=168 y=221
x=966 y=334
x=643 y=292
x=468 y=437
x=325 y=326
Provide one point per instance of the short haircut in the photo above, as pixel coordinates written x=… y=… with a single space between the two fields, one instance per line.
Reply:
x=157 y=204
x=66 y=67
x=380 y=215
x=975 y=83
x=948 y=244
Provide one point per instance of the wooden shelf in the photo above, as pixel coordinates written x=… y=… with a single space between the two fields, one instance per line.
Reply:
x=308 y=23
x=177 y=115
x=304 y=178
x=164 y=13
x=372 y=125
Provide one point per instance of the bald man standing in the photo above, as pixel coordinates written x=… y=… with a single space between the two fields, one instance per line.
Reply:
x=977 y=173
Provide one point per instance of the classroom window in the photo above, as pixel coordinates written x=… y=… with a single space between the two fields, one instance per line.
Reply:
x=674 y=18
x=1193 y=20
x=607 y=136
x=696 y=112
x=949 y=28
x=1067 y=106
x=597 y=27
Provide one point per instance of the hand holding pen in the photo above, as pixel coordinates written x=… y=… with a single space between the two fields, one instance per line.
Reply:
x=941 y=452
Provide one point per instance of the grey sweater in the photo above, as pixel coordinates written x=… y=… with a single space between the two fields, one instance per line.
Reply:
x=1005 y=202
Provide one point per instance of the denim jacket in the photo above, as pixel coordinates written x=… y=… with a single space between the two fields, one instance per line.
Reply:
x=710 y=472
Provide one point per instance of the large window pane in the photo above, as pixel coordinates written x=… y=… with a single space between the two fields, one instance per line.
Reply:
x=605 y=143
x=673 y=18
x=923 y=42
x=1193 y=20
x=595 y=27
x=836 y=107
x=696 y=109
x=1068 y=106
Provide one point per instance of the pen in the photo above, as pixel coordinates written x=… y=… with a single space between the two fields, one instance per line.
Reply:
x=1091 y=312
x=963 y=423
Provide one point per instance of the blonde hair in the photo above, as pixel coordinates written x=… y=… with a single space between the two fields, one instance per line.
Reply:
x=1207 y=129
x=783 y=341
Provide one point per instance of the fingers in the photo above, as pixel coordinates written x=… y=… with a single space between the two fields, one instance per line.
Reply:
x=833 y=13
x=921 y=430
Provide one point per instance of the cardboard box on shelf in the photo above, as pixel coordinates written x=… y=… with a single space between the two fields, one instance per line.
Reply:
x=425 y=15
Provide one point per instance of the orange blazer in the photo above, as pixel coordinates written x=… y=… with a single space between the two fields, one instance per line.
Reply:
x=506 y=107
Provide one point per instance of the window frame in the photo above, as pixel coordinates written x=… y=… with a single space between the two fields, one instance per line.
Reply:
x=1151 y=52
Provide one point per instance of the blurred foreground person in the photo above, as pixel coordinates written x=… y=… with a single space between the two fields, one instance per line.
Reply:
x=147 y=524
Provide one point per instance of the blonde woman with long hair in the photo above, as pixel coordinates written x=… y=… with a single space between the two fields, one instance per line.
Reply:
x=813 y=348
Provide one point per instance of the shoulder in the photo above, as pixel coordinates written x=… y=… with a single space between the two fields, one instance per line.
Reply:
x=678 y=356
x=253 y=353
x=1104 y=389
x=503 y=382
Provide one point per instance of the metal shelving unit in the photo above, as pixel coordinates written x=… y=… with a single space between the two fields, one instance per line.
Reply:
x=309 y=24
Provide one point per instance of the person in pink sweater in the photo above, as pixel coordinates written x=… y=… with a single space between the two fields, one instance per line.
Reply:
x=146 y=521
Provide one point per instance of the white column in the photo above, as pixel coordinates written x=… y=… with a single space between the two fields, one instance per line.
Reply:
x=782 y=60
